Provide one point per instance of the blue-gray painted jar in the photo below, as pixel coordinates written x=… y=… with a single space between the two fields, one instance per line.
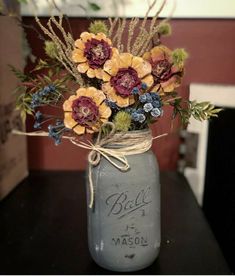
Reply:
x=124 y=224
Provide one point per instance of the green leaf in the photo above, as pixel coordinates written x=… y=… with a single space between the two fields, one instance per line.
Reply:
x=43 y=64
x=47 y=78
x=23 y=116
x=93 y=6
x=18 y=73
x=216 y=110
x=50 y=73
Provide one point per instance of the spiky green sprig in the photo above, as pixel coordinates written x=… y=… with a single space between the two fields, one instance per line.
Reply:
x=20 y=75
x=164 y=29
x=98 y=26
x=122 y=121
x=50 y=49
x=179 y=56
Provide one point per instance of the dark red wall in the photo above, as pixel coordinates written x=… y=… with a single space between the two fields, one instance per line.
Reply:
x=211 y=45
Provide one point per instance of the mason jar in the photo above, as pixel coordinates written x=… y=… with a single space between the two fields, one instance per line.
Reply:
x=124 y=222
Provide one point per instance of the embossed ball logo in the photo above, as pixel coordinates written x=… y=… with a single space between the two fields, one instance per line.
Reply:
x=122 y=204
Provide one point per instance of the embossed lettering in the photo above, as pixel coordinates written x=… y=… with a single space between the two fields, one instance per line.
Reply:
x=116 y=241
x=130 y=241
x=121 y=204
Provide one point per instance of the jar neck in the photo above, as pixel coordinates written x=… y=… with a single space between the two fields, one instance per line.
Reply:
x=129 y=138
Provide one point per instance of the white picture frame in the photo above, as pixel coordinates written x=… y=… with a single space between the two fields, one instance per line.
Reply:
x=133 y=8
x=219 y=95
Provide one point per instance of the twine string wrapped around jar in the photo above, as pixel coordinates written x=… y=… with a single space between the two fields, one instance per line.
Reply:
x=114 y=147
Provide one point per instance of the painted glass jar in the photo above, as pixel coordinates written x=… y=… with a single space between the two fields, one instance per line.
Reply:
x=124 y=223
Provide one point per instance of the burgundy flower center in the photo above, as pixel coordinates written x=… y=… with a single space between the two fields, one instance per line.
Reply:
x=84 y=111
x=124 y=81
x=97 y=52
x=162 y=70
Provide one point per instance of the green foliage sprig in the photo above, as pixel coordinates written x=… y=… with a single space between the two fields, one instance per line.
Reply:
x=31 y=84
x=203 y=110
x=198 y=110
x=18 y=73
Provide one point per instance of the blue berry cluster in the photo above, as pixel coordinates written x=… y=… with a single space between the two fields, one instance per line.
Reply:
x=151 y=105
x=138 y=115
x=56 y=131
x=40 y=96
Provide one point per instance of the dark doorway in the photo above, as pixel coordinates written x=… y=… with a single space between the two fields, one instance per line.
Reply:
x=219 y=193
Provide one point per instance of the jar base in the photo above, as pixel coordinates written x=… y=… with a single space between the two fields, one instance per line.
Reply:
x=132 y=268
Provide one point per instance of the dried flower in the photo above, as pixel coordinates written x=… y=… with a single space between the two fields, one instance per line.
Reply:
x=128 y=89
x=167 y=75
x=86 y=111
x=122 y=74
x=91 y=53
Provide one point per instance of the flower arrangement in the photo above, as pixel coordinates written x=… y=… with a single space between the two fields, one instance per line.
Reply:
x=97 y=84
x=96 y=78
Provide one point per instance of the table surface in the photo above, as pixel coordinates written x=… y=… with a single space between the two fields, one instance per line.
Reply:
x=43 y=229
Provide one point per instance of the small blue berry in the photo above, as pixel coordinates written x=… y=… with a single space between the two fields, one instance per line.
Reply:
x=59 y=123
x=40 y=93
x=130 y=110
x=141 y=118
x=58 y=141
x=135 y=91
x=47 y=89
x=155 y=96
x=37 y=125
x=148 y=107
x=143 y=98
x=144 y=86
x=56 y=131
x=111 y=104
x=38 y=116
x=156 y=112
x=156 y=103
x=148 y=98
x=51 y=87
x=140 y=111
x=135 y=116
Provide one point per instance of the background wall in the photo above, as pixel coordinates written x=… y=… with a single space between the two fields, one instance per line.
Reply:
x=211 y=45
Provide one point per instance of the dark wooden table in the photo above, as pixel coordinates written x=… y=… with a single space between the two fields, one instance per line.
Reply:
x=43 y=229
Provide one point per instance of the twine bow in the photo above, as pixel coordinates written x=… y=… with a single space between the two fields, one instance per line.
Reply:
x=97 y=150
